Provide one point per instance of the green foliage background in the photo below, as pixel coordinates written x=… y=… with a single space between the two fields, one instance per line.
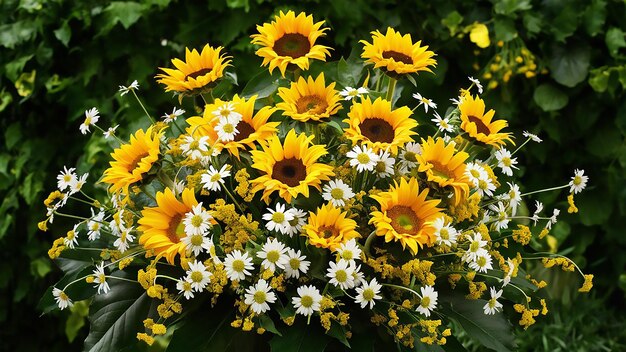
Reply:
x=60 y=57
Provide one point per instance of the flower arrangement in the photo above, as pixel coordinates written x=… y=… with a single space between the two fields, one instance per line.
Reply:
x=310 y=210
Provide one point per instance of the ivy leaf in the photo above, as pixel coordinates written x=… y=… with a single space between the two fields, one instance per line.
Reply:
x=508 y=7
x=452 y=21
x=505 y=29
x=570 y=65
x=615 y=40
x=64 y=33
x=17 y=33
x=599 y=79
x=594 y=17
x=300 y=338
x=124 y=12
x=550 y=98
x=262 y=85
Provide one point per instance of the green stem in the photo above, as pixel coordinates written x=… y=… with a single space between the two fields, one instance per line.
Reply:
x=402 y=288
x=545 y=190
x=391 y=88
x=143 y=107
x=520 y=147
x=368 y=243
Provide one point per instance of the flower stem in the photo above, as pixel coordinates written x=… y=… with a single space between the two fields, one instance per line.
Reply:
x=391 y=88
x=545 y=190
x=143 y=107
x=368 y=243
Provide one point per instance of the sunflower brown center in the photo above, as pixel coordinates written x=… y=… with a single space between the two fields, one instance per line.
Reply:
x=133 y=164
x=377 y=130
x=312 y=104
x=289 y=171
x=328 y=231
x=440 y=170
x=404 y=219
x=480 y=125
x=199 y=73
x=245 y=130
x=176 y=230
x=399 y=57
x=292 y=44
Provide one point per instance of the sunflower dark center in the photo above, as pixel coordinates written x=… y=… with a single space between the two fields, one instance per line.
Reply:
x=480 y=125
x=441 y=170
x=133 y=164
x=176 y=230
x=377 y=130
x=312 y=104
x=245 y=130
x=328 y=231
x=292 y=44
x=399 y=57
x=289 y=171
x=199 y=73
x=404 y=219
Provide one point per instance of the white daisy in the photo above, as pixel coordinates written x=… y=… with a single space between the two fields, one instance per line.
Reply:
x=299 y=220
x=337 y=192
x=198 y=275
x=65 y=178
x=482 y=263
x=443 y=124
x=63 y=301
x=348 y=93
x=493 y=306
x=507 y=278
x=444 y=234
x=71 y=239
x=227 y=111
x=296 y=263
x=485 y=187
x=171 y=117
x=77 y=184
x=274 y=254
x=258 y=297
x=197 y=221
x=424 y=101
x=195 y=148
x=476 y=248
x=124 y=90
x=100 y=279
x=514 y=196
x=539 y=208
x=428 y=300
x=501 y=216
x=213 y=179
x=578 y=182
x=226 y=129
x=357 y=275
x=122 y=242
x=363 y=158
x=196 y=243
x=533 y=137
x=505 y=162
x=308 y=300
x=238 y=265
x=110 y=132
x=349 y=251
x=278 y=220
x=367 y=293
x=408 y=156
x=384 y=166
x=553 y=219
x=341 y=274
x=477 y=83
x=183 y=285
x=91 y=118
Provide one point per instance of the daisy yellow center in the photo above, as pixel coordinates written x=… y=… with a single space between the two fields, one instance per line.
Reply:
x=196 y=276
x=63 y=296
x=347 y=255
x=381 y=166
x=328 y=231
x=353 y=93
x=289 y=171
x=404 y=219
x=368 y=294
x=87 y=121
x=70 y=235
x=225 y=112
x=216 y=177
x=492 y=303
x=444 y=124
x=399 y=57
x=67 y=178
x=196 y=221
x=512 y=194
x=194 y=145
x=480 y=125
x=377 y=130
x=337 y=193
x=506 y=161
x=341 y=275
x=245 y=130
x=176 y=229
x=292 y=44
x=482 y=184
x=444 y=234
x=474 y=246
x=94 y=226
x=363 y=158
x=475 y=173
x=198 y=73
x=306 y=301
x=238 y=265
x=259 y=297
x=102 y=278
x=273 y=256
x=123 y=236
x=294 y=263
x=186 y=286
x=228 y=128
x=577 y=180
x=481 y=261
x=425 y=302
x=410 y=156
x=312 y=104
x=196 y=240
x=278 y=217
x=294 y=221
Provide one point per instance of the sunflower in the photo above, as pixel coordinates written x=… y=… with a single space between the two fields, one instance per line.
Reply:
x=479 y=125
x=289 y=168
x=132 y=160
x=252 y=128
x=290 y=40
x=377 y=126
x=397 y=54
x=309 y=99
x=406 y=216
x=199 y=71
x=445 y=167
x=162 y=226
x=329 y=227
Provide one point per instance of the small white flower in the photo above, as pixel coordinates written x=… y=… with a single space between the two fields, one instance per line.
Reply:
x=274 y=254
x=238 y=265
x=456 y=101
x=533 y=137
x=357 y=275
x=445 y=234
x=91 y=118
x=505 y=162
x=94 y=225
x=539 y=207
x=124 y=90
x=65 y=178
x=171 y=117
x=63 y=301
x=424 y=101
x=368 y=293
x=308 y=300
x=408 y=157
x=278 y=220
x=349 y=251
x=213 y=179
x=428 y=300
x=337 y=192
x=197 y=221
x=507 y=278
x=553 y=220
x=384 y=166
x=476 y=248
x=485 y=187
x=341 y=274
x=482 y=263
x=298 y=221
x=578 y=182
x=122 y=242
x=197 y=243
x=514 y=196
x=226 y=129
x=198 y=275
x=227 y=111
x=501 y=217
x=363 y=158
x=99 y=278
x=258 y=297
x=493 y=306
x=71 y=239
x=296 y=263
x=77 y=184
x=348 y=93
x=110 y=132
x=195 y=148
x=183 y=285
x=443 y=124
x=475 y=172
x=477 y=83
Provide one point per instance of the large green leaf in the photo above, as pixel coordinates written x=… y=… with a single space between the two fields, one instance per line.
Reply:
x=550 y=98
x=263 y=85
x=301 y=338
x=570 y=65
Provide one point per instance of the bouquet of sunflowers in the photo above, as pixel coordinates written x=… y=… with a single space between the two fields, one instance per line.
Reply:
x=308 y=212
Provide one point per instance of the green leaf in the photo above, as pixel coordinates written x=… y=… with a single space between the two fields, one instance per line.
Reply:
x=594 y=17
x=492 y=331
x=532 y=22
x=76 y=320
x=615 y=40
x=262 y=85
x=452 y=21
x=349 y=73
x=5 y=99
x=550 y=98
x=508 y=7
x=599 y=79
x=268 y=324
x=234 y=4
x=300 y=338
x=31 y=188
x=15 y=67
x=12 y=135
x=64 y=33
x=124 y=12
x=570 y=65
x=17 y=33
x=338 y=332
x=40 y=267
x=504 y=29
x=565 y=23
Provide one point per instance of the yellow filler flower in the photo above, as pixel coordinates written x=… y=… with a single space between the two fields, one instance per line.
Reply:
x=290 y=41
x=406 y=216
x=309 y=99
x=198 y=73
x=162 y=226
x=378 y=126
x=289 y=168
x=479 y=125
x=396 y=54
x=131 y=161
x=329 y=227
